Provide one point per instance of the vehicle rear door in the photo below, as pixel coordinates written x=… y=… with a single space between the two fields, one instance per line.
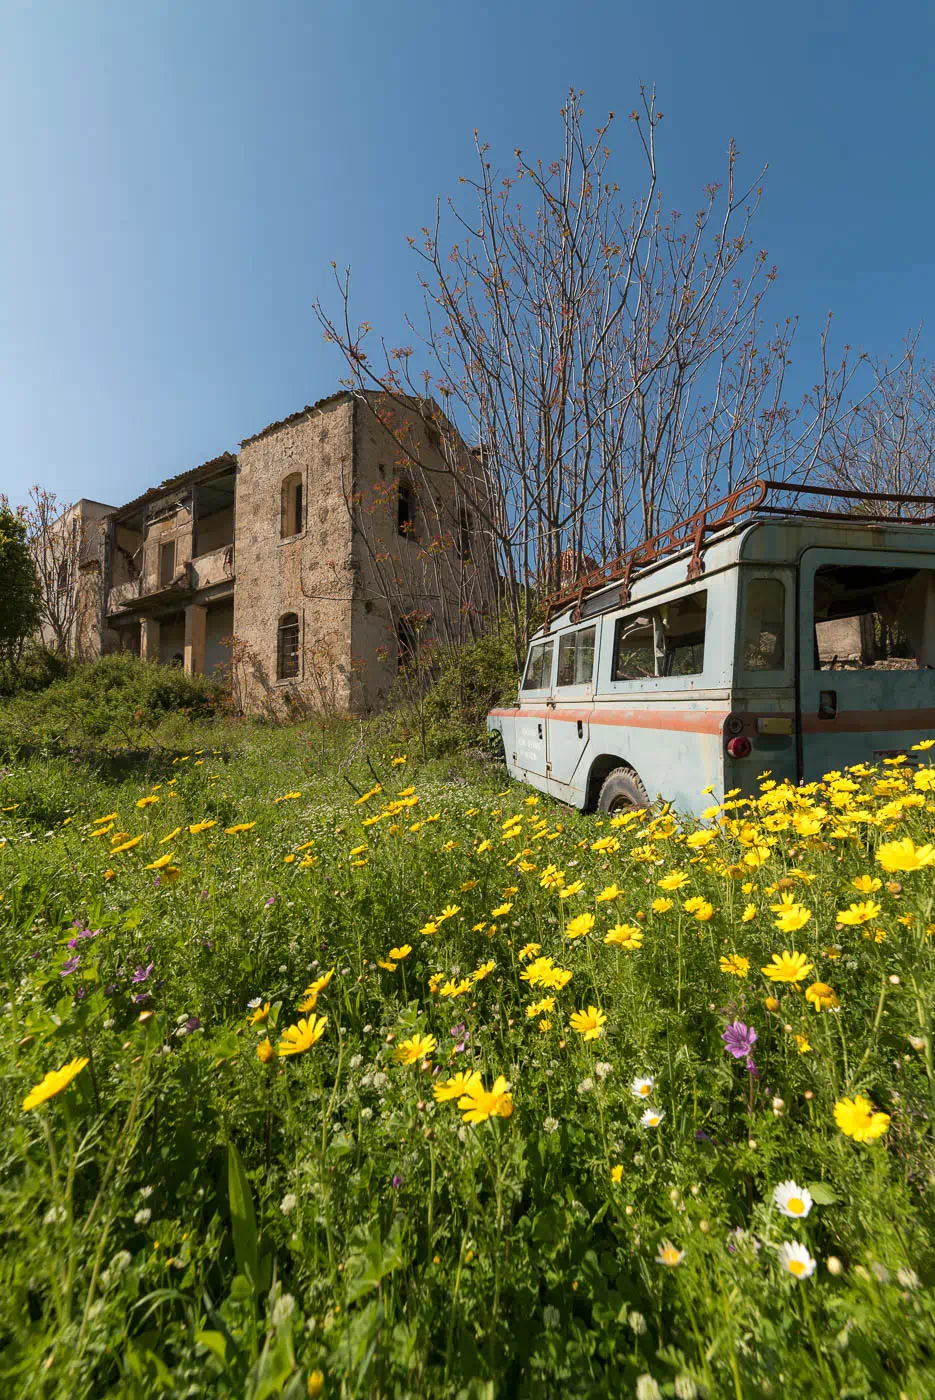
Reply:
x=866 y=655
x=571 y=705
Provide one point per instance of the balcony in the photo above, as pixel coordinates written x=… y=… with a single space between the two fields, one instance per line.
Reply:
x=206 y=571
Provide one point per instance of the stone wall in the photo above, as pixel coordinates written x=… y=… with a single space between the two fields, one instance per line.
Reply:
x=308 y=573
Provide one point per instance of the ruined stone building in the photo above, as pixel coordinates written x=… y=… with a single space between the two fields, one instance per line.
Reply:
x=338 y=547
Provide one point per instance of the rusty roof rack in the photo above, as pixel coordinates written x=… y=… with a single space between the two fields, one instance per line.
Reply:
x=746 y=500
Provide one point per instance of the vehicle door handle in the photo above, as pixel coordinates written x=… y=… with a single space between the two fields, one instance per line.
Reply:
x=828 y=704
x=580 y=730
x=551 y=704
x=540 y=731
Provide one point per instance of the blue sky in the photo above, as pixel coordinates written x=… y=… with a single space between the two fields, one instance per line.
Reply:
x=178 y=176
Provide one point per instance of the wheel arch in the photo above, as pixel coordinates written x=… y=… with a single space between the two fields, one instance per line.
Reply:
x=601 y=768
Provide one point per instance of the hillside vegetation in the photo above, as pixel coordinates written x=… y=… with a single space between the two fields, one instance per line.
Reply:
x=419 y=1084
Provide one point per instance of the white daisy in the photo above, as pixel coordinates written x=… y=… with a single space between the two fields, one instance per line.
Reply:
x=795 y=1259
x=792 y=1200
x=642 y=1088
x=669 y=1255
x=652 y=1117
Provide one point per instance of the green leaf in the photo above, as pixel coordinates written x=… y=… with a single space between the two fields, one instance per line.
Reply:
x=243 y=1217
x=823 y=1194
x=215 y=1342
x=274 y=1367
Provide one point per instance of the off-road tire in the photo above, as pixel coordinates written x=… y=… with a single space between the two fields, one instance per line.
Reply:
x=621 y=791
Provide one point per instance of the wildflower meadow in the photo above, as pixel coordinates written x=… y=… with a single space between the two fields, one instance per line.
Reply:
x=373 y=1078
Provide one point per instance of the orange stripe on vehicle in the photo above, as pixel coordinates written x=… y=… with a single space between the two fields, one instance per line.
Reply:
x=870 y=722
x=684 y=721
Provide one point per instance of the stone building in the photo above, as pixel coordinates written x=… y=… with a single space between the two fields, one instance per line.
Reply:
x=338 y=547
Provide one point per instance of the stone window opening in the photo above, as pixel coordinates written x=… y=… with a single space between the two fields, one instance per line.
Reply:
x=166 y=563
x=465 y=530
x=287 y=647
x=405 y=508
x=292 y=521
x=62 y=580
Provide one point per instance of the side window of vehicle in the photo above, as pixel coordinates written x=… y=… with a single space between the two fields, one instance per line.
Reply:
x=667 y=640
x=576 y=657
x=538 y=667
x=874 y=617
x=764 y=625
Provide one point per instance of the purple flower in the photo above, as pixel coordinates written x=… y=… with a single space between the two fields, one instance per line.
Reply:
x=69 y=966
x=192 y=1024
x=141 y=997
x=461 y=1035
x=141 y=974
x=271 y=900
x=739 y=1041
x=81 y=992
x=397 y=1182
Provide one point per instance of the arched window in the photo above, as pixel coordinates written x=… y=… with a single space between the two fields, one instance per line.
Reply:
x=292 y=518
x=287 y=647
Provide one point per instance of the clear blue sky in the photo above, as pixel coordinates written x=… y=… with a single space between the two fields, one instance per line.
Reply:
x=177 y=177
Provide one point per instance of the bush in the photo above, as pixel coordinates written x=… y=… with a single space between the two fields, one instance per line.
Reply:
x=469 y=683
x=37 y=669
x=117 y=702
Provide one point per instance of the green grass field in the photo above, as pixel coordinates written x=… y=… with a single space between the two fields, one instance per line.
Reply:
x=448 y=1091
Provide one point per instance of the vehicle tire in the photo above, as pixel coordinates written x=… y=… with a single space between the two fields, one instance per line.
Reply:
x=622 y=791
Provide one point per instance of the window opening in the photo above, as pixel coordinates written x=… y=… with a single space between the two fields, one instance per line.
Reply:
x=874 y=618
x=406 y=645
x=62 y=580
x=287 y=649
x=576 y=657
x=764 y=627
x=405 y=508
x=664 y=641
x=166 y=563
x=464 y=535
x=292 y=520
x=538 y=667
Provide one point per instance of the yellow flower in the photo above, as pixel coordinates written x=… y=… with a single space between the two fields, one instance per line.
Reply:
x=456 y=989
x=399 y=760
x=483 y=971
x=588 y=1023
x=556 y=979
x=551 y=878
x=164 y=840
x=606 y=843
x=319 y=984
x=736 y=965
x=922 y=745
x=259 y=1015
x=128 y=845
x=289 y=859
x=574 y=888
x=408 y=1052
x=857 y=1119
x=580 y=925
x=675 y=880
x=103 y=830
x=299 y=1038
x=381 y=962
x=147 y=801
x=458 y=1084
x=54 y=1082
x=201 y=826
x=500 y=910
x=669 y=1255
x=467 y=885
x=803 y=1043
x=704 y=911
x=905 y=855
x=401 y=952
x=265 y=1051
x=478 y=1104
x=860 y=913
x=625 y=936
x=529 y=950
x=698 y=839
x=788 y=967
x=821 y=996
x=161 y=863
x=537 y=1008
x=428 y=929
x=241 y=826
x=287 y=797
x=748 y=913
x=111 y=816
x=793 y=918
x=611 y=892
x=772 y=1003
x=616 y=1175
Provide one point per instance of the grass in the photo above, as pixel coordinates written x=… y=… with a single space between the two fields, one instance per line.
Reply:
x=189 y=1217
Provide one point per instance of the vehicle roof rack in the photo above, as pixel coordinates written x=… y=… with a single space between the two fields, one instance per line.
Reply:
x=747 y=500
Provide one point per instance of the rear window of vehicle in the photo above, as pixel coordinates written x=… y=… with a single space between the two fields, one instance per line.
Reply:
x=874 y=618
x=667 y=640
x=764 y=631
x=538 y=674
x=576 y=657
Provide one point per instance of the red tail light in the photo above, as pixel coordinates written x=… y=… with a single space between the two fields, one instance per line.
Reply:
x=739 y=748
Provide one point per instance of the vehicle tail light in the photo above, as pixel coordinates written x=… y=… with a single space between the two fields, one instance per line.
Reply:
x=740 y=747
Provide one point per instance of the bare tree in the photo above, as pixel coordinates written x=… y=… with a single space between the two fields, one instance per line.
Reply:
x=608 y=359
x=58 y=544
x=886 y=442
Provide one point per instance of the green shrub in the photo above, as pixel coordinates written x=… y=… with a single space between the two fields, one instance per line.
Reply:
x=469 y=682
x=116 y=702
